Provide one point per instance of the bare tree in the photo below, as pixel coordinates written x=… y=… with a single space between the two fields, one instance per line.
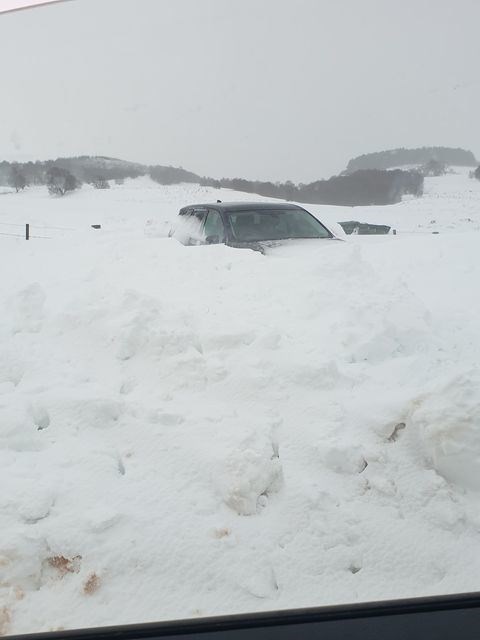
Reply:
x=17 y=179
x=433 y=168
x=60 y=181
x=100 y=182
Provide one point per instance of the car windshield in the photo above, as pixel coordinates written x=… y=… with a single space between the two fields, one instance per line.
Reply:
x=257 y=225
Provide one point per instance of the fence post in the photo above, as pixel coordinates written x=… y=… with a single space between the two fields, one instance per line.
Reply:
x=27 y=231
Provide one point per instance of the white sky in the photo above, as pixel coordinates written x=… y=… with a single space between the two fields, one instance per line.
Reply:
x=267 y=89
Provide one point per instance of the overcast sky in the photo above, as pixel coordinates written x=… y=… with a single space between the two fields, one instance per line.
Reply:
x=267 y=89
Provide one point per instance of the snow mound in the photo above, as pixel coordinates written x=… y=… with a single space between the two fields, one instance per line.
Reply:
x=249 y=477
x=448 y=419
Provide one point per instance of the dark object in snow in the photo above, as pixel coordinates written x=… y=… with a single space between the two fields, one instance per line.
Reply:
x=96 y=226
x=364 y=228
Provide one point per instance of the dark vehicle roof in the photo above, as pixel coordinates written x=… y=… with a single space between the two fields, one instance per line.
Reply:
x=242 y=206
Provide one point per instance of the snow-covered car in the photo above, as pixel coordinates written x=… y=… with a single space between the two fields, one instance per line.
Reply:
x=247 y=224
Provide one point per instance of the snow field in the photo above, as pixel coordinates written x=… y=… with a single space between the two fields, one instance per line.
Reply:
x=189 y=431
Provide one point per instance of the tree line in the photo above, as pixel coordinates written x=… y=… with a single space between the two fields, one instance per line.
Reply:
x=417 y=157
x=67 y=174
x=363 y=187
x=369 y=187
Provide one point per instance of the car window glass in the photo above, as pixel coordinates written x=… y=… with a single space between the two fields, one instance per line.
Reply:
x=214 y=226
x=188 y=228
x=194 y=226
x=255 y=226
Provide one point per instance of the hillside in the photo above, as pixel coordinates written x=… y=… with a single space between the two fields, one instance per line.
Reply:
x=412 y=157
x=361 y=188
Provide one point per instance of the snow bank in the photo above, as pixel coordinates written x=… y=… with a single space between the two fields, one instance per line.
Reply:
x=188 y=431
x=448 y=419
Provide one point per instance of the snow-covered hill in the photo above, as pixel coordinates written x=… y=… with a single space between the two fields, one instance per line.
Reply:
x=187 y=431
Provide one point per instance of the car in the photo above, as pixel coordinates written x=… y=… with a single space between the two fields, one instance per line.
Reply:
x=253 y=225
x=364 y=228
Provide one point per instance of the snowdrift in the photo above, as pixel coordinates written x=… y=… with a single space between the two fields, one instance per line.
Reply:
x=187 y=431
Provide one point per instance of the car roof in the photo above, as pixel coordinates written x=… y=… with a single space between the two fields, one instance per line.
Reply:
x=242 y=206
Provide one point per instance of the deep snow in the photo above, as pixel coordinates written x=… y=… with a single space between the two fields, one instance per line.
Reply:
x=187 y=431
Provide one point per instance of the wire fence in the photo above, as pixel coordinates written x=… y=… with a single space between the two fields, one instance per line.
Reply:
x=37 y=226
x=21 y=235
x=12 y=230
x=14 y=226
x=13 y=235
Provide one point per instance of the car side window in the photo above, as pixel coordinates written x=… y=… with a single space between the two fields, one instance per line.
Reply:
x=213 y=230
x=193 y=226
